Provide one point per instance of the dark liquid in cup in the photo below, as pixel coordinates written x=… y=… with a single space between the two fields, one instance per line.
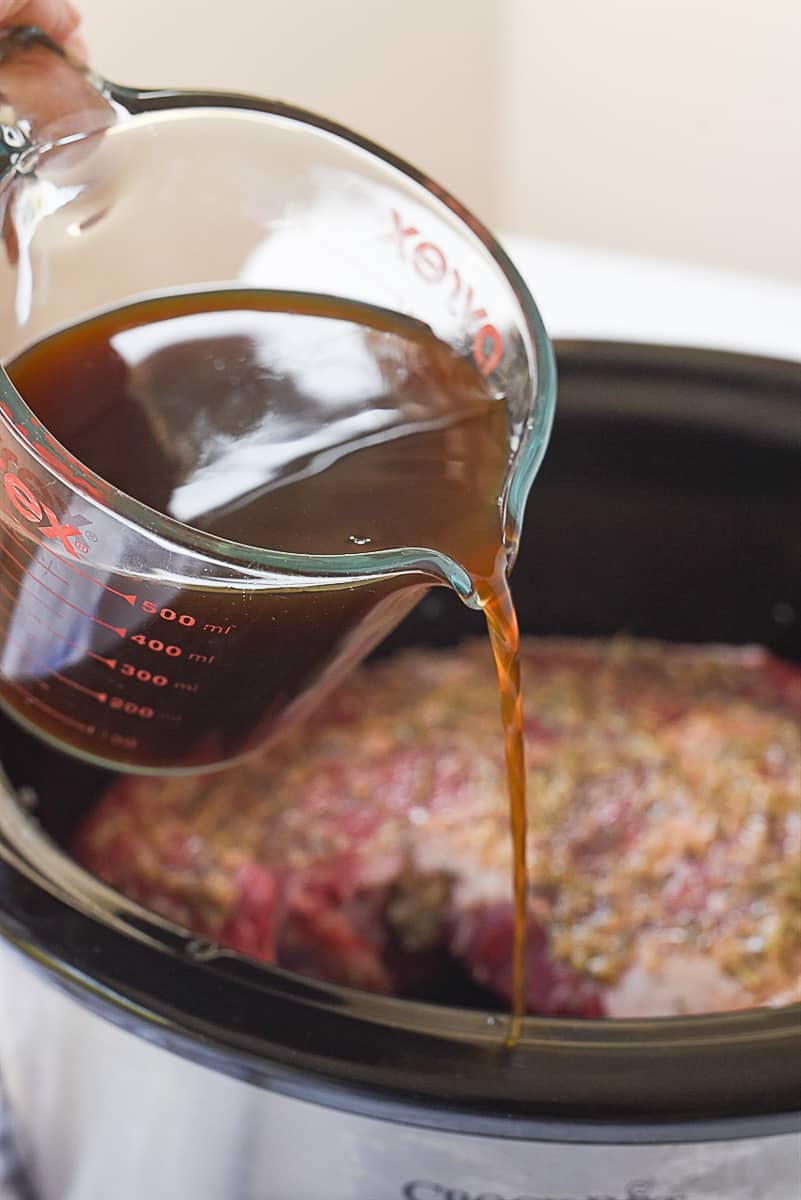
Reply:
x=292 y=423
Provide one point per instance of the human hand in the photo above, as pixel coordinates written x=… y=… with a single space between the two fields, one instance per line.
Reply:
x=58 y=18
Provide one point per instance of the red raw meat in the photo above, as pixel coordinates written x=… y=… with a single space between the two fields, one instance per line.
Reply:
x=372 y=848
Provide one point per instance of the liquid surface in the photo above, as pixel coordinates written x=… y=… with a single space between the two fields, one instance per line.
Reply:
x=291 y=423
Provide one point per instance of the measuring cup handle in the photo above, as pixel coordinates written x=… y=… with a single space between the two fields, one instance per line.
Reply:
x=47 y=100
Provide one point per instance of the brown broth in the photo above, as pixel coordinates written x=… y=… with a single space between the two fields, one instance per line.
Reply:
x=291 y=423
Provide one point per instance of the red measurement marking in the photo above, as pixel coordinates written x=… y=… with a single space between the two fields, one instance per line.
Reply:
x=14 y=597
x=54 y=712
x=129 y=597
x=101 y=697
x=11 y=597
x=23 y=545
x=42 y=683
x=111 y=663
x=63 y=600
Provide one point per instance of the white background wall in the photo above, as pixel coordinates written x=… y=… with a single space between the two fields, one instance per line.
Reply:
x=669 y=127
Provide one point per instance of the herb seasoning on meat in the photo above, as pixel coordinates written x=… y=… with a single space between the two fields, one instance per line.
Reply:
x=372 y=849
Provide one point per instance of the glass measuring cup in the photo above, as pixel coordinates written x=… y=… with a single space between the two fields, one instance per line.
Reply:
x=126 y=636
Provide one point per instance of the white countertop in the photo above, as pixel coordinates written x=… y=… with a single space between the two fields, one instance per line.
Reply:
x=584 y=292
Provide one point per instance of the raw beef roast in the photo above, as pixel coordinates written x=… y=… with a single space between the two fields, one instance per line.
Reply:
x=372 y=849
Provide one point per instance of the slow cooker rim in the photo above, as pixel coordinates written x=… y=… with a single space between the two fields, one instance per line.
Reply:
x=68 y=944
x=153 y=979
x=387 y=1104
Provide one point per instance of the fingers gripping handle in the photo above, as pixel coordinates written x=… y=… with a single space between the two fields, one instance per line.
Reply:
x=47 y=101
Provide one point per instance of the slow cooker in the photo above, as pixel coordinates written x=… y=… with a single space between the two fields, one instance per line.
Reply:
x=140 y=1062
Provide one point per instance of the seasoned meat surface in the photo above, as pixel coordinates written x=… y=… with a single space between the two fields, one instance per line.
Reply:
x=372 y=848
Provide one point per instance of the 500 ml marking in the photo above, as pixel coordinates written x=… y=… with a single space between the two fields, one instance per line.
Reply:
x=168 y=614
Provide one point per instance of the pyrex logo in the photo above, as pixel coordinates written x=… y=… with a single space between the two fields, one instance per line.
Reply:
x=17 y=487
x=640 y=1189
x=430 y=264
